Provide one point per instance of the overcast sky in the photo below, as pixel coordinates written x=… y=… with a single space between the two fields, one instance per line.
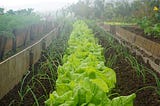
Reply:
x=38 y=5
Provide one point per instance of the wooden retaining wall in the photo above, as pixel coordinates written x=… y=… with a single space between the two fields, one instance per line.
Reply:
x=23 y=36
x=8 y=45
x=147 y=49
x=13 y=68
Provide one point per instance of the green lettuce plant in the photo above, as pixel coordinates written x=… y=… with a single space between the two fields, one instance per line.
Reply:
x=83 y=79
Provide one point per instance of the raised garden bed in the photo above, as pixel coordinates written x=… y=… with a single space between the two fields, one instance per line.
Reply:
x=140 y=32
x=128 y=81
x=39 y=81
x=147 y=49
x=13 y=68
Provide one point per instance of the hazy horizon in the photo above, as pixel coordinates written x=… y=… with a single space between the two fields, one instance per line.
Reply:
x=37 y=5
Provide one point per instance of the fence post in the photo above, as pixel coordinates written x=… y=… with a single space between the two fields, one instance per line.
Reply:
x=25 y=37
x=3 y=41
x=14 y=41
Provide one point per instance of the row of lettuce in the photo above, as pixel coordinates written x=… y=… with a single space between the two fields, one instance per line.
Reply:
x=83 y=79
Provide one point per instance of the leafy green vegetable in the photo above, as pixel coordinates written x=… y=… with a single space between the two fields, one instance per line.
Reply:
x=83 y=79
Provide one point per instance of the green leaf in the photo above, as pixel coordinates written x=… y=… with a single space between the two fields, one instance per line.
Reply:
x=101 y=84
x=123 y=100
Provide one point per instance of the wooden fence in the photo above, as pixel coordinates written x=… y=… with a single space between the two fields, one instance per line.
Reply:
x=13 y=68
x=147 y=49
x=22 y=37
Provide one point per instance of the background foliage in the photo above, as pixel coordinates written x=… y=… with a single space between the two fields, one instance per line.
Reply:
x=16 y=19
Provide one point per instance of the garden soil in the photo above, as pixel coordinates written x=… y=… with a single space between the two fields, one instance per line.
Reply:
x=129 y=82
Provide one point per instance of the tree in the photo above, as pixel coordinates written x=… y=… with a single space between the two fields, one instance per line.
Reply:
x=123 y=9
x=99 y=6
x=28 y=11
x=11 y=12
x=109 y=13
x=1 y=11
x=81 y=9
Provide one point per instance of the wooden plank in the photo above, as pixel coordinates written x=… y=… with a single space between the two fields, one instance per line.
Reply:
x=3 y=40
x=27 y=38
x=12 y=71
x=20 y=37
x=13 y=68
x=148 y=45
x=48 y=40
x=139 y=41
x=155 y=49
x=9 y=45
x=36 y=51
x=126 y=35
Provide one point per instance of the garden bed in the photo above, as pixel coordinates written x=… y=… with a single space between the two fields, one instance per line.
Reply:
x=147 y=49
x=39 y=81
x=128 y=81
x=38 y=85
x=140 y=32
x=13 y=96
